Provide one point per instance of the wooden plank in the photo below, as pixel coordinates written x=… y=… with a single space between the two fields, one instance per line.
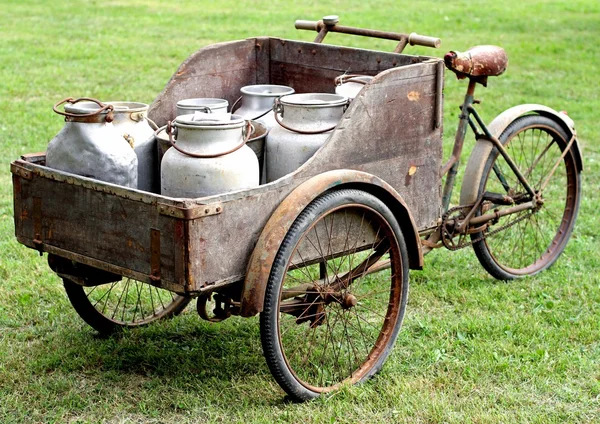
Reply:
x=390 y=131
x=310 y=67
x=218 y=70
x=97 y=225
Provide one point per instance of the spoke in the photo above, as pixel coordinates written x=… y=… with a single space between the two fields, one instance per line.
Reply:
x=119 y=302
x=125 y=302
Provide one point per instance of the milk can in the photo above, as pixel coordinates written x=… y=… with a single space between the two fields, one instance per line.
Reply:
x=257 y=102
x=350 y=85
x=209 y=156
x=207 y=105
x=306 y=123
x=131 y=122
x=90 y=145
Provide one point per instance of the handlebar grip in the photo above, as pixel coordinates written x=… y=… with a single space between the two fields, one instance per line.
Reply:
x=423 y=40
x=308 y=25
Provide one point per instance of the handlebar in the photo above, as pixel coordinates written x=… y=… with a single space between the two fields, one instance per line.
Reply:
x=415 y=39
x=330 y=24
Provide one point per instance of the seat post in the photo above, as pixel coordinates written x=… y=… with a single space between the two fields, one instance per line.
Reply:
x=451 y=167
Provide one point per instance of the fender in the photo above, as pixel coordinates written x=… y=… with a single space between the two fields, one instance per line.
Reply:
x=267 y=246
x=482 y=149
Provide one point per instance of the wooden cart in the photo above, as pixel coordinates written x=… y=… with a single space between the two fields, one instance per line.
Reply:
x=322 y=253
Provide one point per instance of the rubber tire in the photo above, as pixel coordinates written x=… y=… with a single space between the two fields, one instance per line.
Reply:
x=481 y=249
x=103 y=324
x=268 y=318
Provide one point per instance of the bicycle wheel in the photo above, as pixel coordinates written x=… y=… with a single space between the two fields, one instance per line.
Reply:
x=336 y=295
x=123 y=303
x=532 y=240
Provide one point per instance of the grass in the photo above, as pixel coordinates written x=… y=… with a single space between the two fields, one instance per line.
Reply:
x=472 y=349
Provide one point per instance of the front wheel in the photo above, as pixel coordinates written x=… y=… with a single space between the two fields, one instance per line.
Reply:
x=336 y=294
x=531 y=240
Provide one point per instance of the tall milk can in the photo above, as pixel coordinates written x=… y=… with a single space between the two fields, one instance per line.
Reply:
x=257 y=102
x=306 y=123
x=209 y=156
x=131 y=122
x=90 y=145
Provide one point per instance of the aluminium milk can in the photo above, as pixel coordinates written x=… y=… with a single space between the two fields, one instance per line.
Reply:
x=257 y=102
x=350 y=85
x=209 y=156
x=206 y=105
x=90 y=145
x=306 y=123
x=131 y=122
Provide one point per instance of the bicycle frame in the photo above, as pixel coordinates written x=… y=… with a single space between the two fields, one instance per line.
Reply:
x=472 y=221
x=451 y=167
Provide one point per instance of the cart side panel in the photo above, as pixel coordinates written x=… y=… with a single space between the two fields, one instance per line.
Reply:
x=99 y=228
x=310 y=67
x=393 y=130
x=218 y=70
x=221 y=245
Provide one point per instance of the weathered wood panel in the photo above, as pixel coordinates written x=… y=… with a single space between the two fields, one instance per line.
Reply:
x=62 y=216
x=218 y=70
x=312 y=68
x=390 y=131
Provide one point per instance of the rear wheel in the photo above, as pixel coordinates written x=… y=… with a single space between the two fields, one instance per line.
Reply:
x=123 y=303
x=533 y=239
x=336 y=295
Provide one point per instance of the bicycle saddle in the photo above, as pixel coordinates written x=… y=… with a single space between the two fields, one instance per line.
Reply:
x=478 y=63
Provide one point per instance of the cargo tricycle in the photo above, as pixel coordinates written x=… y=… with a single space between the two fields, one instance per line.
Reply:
x=323 y=253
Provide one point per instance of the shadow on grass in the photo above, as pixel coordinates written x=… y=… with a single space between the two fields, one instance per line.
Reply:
x=176 y=348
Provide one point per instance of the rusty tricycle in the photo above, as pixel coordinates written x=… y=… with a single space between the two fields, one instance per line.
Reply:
x=323 y=253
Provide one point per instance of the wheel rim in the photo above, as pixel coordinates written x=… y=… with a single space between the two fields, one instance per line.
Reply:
x=534 y=239
x=340 y=331
x=131 y=303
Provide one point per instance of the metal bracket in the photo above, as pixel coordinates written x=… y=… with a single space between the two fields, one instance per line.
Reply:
x=21 y=172
x=195 y=212
x=155 y=255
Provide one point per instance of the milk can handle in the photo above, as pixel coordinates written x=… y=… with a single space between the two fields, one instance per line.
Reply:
x=342 y=79
x=234 y=108
x=103 y=107
x=278 y=108
x=248 y=130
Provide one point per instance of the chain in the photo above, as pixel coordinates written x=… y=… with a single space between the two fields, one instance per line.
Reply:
x=447 y=237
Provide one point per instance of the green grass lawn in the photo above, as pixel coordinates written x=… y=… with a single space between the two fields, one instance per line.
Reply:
x=472 y=349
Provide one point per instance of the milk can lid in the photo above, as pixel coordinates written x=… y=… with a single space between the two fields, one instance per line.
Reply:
x=209 y=119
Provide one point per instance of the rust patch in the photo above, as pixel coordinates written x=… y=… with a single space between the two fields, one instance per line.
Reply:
x=414 y=96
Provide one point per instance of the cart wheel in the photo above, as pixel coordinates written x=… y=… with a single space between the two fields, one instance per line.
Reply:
x=124 y=303
x=336 y=294
x=532 y=240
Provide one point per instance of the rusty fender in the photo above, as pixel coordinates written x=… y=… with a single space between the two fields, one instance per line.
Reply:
x=263 y=255
x=482 y=149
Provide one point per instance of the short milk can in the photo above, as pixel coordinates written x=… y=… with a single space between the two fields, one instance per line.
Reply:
x=209 y=156
x=206 y=105
x=257 y=102
x=90 y=145
x=306 y=123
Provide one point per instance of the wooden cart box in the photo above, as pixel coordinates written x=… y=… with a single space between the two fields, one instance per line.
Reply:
x=391 y=134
